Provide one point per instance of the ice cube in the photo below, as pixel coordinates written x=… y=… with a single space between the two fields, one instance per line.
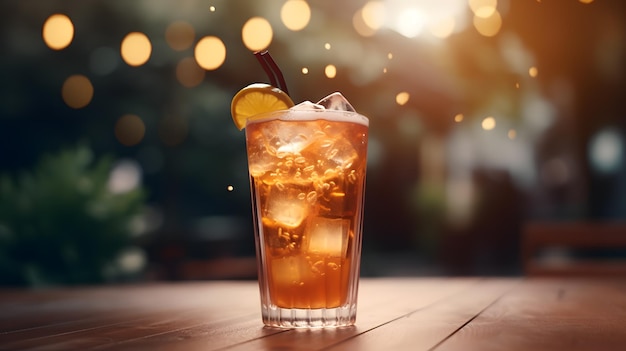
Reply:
x=290 y=270
x=336 y=101
x=291 y=139
x=328 y=236
x=307 y=106
x=285 y=211
x=342 y=153
x=261 y=159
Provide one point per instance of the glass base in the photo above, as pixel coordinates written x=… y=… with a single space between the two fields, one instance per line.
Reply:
x=274 y=316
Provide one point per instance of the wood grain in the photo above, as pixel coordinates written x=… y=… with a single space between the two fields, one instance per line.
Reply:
x=393 y=314
x=546 y=314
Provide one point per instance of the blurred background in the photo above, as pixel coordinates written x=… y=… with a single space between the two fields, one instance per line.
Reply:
x=119 y=160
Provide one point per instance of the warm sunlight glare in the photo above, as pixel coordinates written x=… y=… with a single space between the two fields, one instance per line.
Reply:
x=488 y=26
x=443 y=28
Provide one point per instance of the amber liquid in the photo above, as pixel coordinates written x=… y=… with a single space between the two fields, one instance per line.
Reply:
x=307 y=181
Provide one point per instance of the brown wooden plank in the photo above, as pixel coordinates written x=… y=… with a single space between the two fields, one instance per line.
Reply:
x=381 y=301
x=550 y=314
x=425 y=327
x=127 y=313
x=376 y=298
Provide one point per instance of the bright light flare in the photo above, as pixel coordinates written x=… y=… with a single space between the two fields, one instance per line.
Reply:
x=402 y=98
x=136 y=49
x=373 y=14
x=483 y=8
x=210 y=53
x=58 y=31
x=410 y=22
x=330 y=71
x=488 y=26
x=295 y=14
x=489 y=123
x=257 y=33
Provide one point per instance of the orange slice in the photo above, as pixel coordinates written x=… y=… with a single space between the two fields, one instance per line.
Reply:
x=255 y=99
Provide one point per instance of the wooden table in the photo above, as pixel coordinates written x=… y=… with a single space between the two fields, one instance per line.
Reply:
x=394 y=314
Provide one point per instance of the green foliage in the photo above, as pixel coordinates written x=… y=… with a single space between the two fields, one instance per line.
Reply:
x=60 y=224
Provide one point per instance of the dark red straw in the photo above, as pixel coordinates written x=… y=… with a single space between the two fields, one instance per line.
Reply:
x=260 y=57
x=272 y=70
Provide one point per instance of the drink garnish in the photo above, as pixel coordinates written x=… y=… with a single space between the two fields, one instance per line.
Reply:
x=255 y=99
x=258 y=98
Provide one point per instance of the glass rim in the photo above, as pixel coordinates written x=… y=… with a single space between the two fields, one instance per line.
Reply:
x=313 y=115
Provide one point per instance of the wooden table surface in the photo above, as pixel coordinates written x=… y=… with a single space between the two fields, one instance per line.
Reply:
x=393 y=314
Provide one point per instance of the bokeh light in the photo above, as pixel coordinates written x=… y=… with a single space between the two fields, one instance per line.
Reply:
x=58 y=31
x=210 y=53
x=360 y=26
x=458 y=117
x=257 y=34
x=402 y=98
x=330 y=71
x=443 y=28
x=305 y=70
x=129 y=130
x=188 y=73
x=295 y=14
x=136 y=49
x=512 y=134
x=489 y=123
x=180 y=35
x=483 y=8
x=125 y=176
x=488 y=26
x=373 y=14
x=533 y=72
x=410 y=22
x=77 y=91
x=606 y=150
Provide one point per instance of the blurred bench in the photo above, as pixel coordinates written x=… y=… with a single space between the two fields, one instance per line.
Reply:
x=574 y=249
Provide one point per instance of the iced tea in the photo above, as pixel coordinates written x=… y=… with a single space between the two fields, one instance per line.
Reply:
x=307 y=171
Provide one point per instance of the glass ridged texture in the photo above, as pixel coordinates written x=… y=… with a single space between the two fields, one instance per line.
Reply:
x=307 y=178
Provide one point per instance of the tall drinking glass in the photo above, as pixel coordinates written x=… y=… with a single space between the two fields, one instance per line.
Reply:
x=307 y=174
